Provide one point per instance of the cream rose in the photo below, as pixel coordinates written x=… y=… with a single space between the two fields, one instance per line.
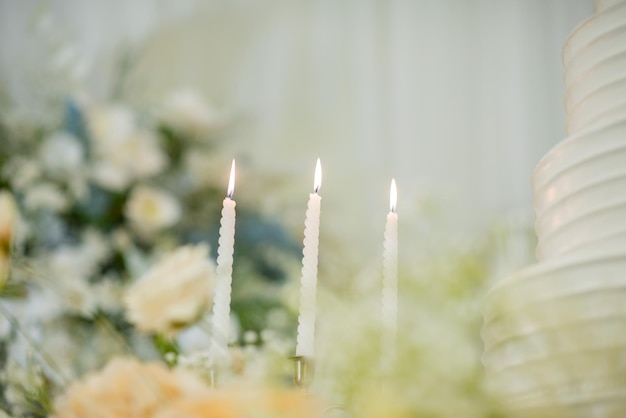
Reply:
x=127 y=388
x=174 y=292
x=8 y=222
x=8 y=219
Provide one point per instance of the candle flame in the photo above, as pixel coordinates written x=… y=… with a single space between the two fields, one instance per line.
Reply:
x=393 y=196
x=317 y=182
x=231 y=181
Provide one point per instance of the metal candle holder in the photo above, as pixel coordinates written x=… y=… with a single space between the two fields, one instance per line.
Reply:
x=303 y=371
x=213 y=377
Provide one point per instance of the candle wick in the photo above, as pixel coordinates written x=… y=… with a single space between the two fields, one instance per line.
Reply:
x=229 y=195
x=316 y=190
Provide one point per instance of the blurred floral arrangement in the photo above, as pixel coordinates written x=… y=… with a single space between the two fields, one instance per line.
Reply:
x=104 y=222
x=107 y=224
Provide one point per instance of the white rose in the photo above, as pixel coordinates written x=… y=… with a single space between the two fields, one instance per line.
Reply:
x=174 y=292
x=22 y=172
x=46 y=196
x=111 y=123
x=108 y=294
x=204 y=167
x=76 y=296
x=125 y=151
x=150 y=209
x=79 y=262
x=186 y=112
x=133 y=157
x=61 y=154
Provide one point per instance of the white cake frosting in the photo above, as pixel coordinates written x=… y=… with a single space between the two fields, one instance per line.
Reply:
x=593 y=57
x=555 y=333
x=577 y=183
x=600 y=5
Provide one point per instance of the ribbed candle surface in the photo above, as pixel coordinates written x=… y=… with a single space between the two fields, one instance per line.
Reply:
x=305 y=343
x=220 y=330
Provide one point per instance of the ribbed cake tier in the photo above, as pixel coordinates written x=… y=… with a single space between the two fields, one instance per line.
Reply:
x=594 y=55
x=555 y=333
x=554 y=336
x=580 y=187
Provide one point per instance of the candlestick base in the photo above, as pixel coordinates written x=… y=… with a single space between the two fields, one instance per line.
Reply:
x=303 y=371
x=213 y=377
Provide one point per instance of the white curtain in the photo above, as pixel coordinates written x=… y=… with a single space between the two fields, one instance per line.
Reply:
x=457 y=99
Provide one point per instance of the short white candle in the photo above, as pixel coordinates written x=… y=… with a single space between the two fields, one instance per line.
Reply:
x=306 y=320
x=390 y=270
x=221 y=302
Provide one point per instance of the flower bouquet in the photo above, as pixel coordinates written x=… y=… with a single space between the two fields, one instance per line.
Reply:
x=108 y=225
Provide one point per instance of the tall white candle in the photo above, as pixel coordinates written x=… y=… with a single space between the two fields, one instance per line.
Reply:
x=221 y=302
x=390 y=270
x=306 y=320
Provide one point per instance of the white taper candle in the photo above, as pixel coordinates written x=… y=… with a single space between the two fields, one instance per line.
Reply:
x=221 y=301
x=390 y=270
x=306 y=320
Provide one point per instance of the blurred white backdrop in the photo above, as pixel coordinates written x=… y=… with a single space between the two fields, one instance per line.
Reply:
x=457 y=99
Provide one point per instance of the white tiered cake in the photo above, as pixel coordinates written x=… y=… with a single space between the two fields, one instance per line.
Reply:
x=555 y=333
